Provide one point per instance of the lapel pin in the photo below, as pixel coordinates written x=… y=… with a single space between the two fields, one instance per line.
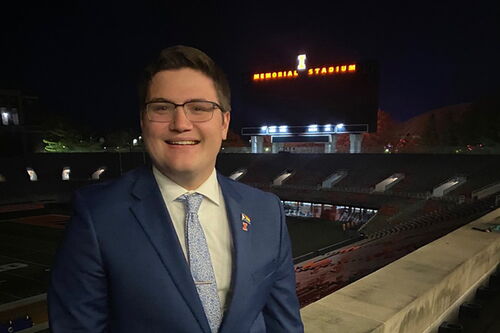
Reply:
x=245 y=221
x=245 y=218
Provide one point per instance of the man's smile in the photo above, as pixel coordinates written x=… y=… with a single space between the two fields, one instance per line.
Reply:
x=182 y=142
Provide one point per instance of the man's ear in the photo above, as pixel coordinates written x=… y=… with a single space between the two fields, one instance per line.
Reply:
x=226 y=119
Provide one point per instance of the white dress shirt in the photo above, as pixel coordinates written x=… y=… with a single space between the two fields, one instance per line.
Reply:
x=214 y=222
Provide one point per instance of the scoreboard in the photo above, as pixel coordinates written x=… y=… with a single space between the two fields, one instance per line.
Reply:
x=334 y=93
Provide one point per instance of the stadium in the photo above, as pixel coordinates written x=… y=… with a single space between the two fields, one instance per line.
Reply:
x=421 y=227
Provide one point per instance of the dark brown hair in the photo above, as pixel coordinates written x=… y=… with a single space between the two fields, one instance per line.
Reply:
x=180 y=56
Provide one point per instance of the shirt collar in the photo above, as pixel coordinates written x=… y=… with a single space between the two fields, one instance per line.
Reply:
x=171 y=190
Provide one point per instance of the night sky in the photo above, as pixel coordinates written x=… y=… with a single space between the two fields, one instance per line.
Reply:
x=83 y=58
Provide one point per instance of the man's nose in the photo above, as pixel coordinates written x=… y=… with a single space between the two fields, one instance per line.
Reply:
x=180 y=122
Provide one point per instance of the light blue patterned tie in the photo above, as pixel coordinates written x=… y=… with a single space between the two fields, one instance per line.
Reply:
x=199 y=261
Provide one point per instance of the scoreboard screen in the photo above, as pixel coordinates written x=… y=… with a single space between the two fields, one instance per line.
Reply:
x=330 y=94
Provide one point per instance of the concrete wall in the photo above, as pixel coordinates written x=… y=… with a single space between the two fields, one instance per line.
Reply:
x=415 y=293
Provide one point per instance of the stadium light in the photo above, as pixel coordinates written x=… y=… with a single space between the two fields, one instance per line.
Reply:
x=339 y=127
x=97 y=174
x=283 y=128
x=32 y=174
x=66 y=173
x=312 y=128
x=263 y=129
x=328 y=128
x=281 y=178
x=272 y=129
x=5 y=117
x=238 y=174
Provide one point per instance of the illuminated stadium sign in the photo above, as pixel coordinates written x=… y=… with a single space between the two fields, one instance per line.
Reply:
x=287 y=74
x=303 y=91
x=275 y=75
x=332 y=70
x=302 y=62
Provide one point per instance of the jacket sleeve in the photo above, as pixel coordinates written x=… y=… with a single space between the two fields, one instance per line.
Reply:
x=281 y=312
x=77 y=295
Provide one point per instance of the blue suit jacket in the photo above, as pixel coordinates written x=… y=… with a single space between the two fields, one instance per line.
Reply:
x=120 y=267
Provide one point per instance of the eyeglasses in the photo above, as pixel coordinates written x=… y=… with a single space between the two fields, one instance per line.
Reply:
x=195 y=111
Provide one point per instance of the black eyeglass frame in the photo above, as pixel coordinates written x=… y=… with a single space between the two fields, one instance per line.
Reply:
x=214 y=106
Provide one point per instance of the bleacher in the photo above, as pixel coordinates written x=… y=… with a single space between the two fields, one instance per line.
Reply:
x=422 y=173
x=330 y=270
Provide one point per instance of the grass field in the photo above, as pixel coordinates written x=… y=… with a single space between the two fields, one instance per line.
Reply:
x=308 y=235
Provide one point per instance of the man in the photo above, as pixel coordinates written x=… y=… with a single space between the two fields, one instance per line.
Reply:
x=176 y=247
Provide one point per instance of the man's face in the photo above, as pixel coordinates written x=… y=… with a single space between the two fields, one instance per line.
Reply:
x=182 y=149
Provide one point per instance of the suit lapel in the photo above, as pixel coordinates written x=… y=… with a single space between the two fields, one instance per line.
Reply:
x=241 y=256
x=152 y=215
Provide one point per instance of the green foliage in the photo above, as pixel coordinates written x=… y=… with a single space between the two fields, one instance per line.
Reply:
x=54 y=147
x=65 y=145
x=61 y=137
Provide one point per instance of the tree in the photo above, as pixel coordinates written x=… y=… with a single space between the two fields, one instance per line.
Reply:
x=385 y=134
x=430 y=134
x=68 y=140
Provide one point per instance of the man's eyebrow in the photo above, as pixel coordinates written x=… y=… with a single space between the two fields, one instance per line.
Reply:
x=198 y=100
x=159 y=99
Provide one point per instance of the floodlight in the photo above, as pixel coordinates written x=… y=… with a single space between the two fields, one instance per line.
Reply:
x=5 y=117
x=66 y=173
x=32 y=174
x=312 y=128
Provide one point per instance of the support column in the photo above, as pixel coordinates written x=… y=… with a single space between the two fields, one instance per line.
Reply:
x=276 y=147
x=257 y=143
x=355 y=143
x=331 y=145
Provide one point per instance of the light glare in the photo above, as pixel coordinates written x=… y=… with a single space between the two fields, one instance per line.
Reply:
x=312 y=128
x=302 y=62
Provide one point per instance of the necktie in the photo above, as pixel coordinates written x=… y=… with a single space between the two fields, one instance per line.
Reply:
x=199 y=261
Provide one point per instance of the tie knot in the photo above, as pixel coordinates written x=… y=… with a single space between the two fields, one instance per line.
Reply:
x=191 y=201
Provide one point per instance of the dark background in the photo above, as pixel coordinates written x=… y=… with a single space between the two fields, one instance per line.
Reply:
x=83 y=58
